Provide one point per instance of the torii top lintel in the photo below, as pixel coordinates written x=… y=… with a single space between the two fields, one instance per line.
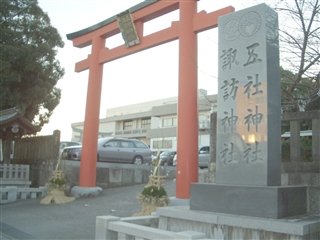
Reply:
x=141 y=13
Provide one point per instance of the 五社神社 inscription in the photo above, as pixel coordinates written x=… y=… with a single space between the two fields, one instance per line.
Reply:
x=249 y=98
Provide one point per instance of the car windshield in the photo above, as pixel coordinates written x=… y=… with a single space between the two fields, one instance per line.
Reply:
x=140 y=145
x=102 y=141
x=165 y=154
x=74 y=144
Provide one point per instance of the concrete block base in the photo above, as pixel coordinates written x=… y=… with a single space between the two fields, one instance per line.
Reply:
x=179 y=202
x=12 y=194
x=265 y=201
x=229 y=226
x=78 y=192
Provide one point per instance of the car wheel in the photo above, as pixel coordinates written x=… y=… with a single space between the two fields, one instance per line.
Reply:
x=137 y=160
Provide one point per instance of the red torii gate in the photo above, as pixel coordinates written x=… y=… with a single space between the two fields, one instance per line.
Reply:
x=191 y=22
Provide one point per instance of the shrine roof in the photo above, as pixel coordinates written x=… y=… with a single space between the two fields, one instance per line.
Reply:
x=133 y=9
x=11 y=116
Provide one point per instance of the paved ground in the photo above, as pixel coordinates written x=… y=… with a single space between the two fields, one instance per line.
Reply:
x=28 y=219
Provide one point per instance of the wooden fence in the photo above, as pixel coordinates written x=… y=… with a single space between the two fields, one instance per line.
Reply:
x=295 y=120
x=41 y=153
x=37 y=149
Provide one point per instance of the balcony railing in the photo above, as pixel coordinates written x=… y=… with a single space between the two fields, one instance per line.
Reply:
x=132 y=131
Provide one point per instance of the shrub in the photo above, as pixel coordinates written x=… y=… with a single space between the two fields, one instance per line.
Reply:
x=153 y=191
x=285 y=150
x=305 y=150
x=153 y=195
x=59 y=183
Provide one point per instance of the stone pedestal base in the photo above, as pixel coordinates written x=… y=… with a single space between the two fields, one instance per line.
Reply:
x=78 y=192
x=179 y=201
x=147 y=209
x=266 y=201
x=235 y=227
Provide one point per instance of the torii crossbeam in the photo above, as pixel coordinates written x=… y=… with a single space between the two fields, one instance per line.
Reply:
x=185 y=30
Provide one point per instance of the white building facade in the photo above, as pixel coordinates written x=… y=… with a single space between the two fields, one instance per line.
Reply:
x=154 y=122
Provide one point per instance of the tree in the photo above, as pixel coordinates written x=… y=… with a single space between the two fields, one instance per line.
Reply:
x=300 y=53
x=300 y=101
x=28 y=68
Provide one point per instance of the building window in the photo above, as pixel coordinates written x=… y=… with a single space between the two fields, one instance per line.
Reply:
x=146 y=123
x=127 y=125
x=169 y=122
x=175 y=121
x=160 y=144
x=166 y=122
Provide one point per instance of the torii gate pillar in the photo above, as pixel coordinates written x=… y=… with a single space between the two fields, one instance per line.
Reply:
x=187 y=131
x=87 y=168
x=185 y=30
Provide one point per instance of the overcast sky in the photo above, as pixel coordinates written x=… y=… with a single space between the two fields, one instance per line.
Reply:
x=144 y=76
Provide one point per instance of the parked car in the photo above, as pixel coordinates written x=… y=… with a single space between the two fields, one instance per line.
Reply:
x=119 y=150
x=203 y=157
x=174 y=163
x=64 y=144
x=166 y=158
x=72 y=153
x=154 y=157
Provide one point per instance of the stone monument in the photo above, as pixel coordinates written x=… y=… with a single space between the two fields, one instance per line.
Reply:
x=248 y=153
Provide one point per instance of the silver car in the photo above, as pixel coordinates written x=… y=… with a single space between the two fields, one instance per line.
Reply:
x=119 y=150
x=67 y=144
x=203 y=156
